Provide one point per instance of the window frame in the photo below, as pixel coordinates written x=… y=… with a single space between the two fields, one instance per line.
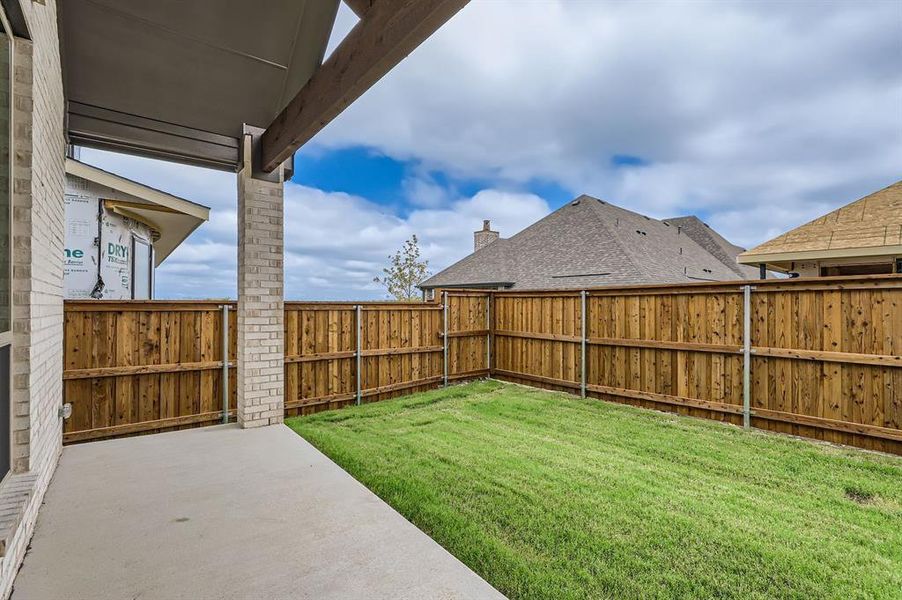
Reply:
x=6 y=337
x=136 y=239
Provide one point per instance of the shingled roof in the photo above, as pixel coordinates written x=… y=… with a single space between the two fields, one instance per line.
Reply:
x=869 y=226
x=590 y=242
x=715 y=243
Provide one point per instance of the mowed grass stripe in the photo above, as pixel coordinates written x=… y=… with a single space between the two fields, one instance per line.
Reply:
x=546 y=495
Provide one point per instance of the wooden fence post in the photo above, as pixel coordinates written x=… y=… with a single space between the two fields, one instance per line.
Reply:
x=582 y=358
x=746 y=355
x=225 y=363
x=488 y=333
x=357 y=353
x=800 y=308
x=445 y=339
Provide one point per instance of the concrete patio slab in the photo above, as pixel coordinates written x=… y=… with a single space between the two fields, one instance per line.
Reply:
x=222 y=512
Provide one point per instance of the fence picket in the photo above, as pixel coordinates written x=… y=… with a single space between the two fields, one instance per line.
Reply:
x=823 y=357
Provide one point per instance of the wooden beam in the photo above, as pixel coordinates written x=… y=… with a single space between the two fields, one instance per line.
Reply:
x=390 y=30
x=360 y=7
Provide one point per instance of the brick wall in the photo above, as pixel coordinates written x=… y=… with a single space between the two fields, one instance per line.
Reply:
x=260 y=298
x=38 y=228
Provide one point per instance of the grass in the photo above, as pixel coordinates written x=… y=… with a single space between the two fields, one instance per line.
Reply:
x=546 y=495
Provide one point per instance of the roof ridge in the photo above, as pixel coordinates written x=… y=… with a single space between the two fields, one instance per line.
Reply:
x=614 y=235
x=639 y=255
x=714 y=237
x=589 y=241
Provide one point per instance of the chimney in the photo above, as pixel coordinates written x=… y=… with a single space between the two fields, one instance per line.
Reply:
x=485 y=236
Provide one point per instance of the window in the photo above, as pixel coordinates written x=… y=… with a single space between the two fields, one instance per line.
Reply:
x=142 y=269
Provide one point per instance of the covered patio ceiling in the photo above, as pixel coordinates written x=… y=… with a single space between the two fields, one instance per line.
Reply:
x=178 y=79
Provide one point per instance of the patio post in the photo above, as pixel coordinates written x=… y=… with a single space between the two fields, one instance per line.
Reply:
x=261 y=344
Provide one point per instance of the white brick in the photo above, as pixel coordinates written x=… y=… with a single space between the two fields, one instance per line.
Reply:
x=38 y=217
x=260 y=299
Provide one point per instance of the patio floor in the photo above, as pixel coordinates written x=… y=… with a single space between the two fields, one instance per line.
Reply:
x=221 y=512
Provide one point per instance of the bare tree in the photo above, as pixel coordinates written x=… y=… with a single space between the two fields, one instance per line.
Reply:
x=405 y=271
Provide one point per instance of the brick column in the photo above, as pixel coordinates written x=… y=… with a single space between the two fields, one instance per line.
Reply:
x=261 y=347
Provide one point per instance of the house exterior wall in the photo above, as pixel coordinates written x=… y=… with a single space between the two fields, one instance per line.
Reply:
x=80 y=277
x=808 y=269
x=38 y=228
x=812 y=268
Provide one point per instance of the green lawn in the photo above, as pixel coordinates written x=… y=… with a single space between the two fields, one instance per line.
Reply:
x=549 y=496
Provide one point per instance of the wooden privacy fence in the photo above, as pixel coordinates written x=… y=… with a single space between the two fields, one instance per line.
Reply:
x=135 y=367
x=342 y=353
x=138 y=366
x=818 y=358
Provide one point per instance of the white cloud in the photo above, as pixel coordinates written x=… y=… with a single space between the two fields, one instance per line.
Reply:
x=335 y=243
x=422 y=190
x=756 y=115
x=755 y=109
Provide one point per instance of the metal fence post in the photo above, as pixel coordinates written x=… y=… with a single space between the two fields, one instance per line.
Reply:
x=582 y=358
x=488 y=333
x=225 y=363
x=357 y=353
x=445 y=339
x=746 y=354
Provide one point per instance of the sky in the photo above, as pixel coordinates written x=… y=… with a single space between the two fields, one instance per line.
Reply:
x=755 y=116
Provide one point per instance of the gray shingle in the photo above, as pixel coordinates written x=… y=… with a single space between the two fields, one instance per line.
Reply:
x=589 y=243
x=714 y=243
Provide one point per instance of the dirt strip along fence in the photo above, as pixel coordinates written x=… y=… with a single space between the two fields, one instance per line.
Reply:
x=823 y=354
x=134 y=367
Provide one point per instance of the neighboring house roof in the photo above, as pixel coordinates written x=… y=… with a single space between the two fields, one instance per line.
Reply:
x=590 y=242
x=173 y=218
x=715 y=243
x=870 y=226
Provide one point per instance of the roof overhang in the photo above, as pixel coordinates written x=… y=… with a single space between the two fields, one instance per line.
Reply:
x=179 y=79
x=172 y=218
x=473 y=286
x=776 y=258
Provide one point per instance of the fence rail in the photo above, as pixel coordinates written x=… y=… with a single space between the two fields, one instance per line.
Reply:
x=823 y=355
x=147 y=366
x=820 y=358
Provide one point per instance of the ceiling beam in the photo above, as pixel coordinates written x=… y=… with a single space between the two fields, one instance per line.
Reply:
x=360 y=7
x=390 y=30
